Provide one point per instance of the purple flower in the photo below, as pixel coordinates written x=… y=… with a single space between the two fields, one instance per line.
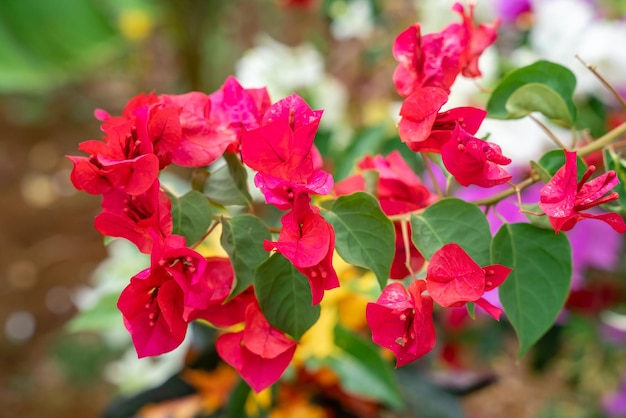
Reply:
x=614 y=404
x=510 y=10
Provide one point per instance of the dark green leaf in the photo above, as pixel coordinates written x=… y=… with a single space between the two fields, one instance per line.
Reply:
x=452 y=220
x=192 y=215
x=227 y=185
x=364 y=235
x=543 y=87
x=592 y=115
x=362 y=370
x=535 y=291
x=237 y=400
x=242 y=238
x=284 y=295
x=424 y=399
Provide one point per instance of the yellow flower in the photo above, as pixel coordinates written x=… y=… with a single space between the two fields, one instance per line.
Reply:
x=135 y=24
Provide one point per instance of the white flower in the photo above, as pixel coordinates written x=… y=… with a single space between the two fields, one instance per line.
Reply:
x=352 y=19
x=280 y=68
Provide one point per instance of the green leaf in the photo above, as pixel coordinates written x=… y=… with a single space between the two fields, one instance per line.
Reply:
x=535 y=291
x=452 y=220
x=237 y=400
x=471 y=309
x=591 y=115
x=103 y=316
x=285 y=297
x=536 y=97
x=227 y=185
x=242 y=238
x=543 y=87
x=424 y=398
x=192 y=215
x=552 y=160
x=614 y=162
x=541 y=172
x=361 y=369
x=364 y=235
x=81 y=37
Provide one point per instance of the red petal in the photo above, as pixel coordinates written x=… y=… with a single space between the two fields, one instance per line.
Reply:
x=453 y=277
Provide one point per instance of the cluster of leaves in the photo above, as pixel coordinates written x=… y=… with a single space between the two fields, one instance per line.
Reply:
x=434 y=248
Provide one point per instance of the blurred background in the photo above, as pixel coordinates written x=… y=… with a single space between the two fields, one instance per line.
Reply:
x=60 y=60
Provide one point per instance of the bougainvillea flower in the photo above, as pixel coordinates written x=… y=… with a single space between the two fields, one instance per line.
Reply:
x=140 y=100
x=418 y=114
x=165 y=132
x=152 y=308
x=424 y=61
x=260 y=353
x=476 y=39
x=139 y=218
x=123 y=160
x=322 y=276
x=424 y=129
x=564 y=197
x=304 y=243
x=163 y=125
x=208 y=295
x=282 y=146
x=453 y=278
x=98 y=174
x=210 y=288
x=187 y=267
x=403 y=322
x=437 y=59
x=213 y=123
x=474 y=161
x=282 y=193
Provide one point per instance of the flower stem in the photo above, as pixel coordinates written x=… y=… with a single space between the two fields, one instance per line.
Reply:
x=532 y=179
x=596 y=145
x=603 y=141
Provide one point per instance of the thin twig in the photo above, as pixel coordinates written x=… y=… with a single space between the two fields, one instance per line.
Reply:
x=602 y=80
x=548 y=132
x=206 y=234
